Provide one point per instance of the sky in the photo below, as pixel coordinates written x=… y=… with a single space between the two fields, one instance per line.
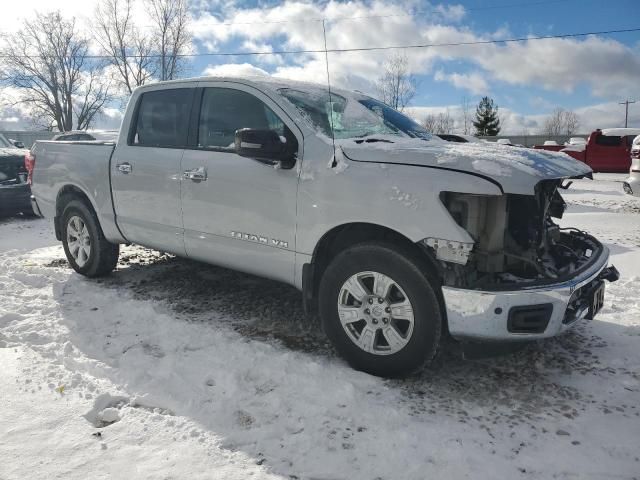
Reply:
x=527 y=80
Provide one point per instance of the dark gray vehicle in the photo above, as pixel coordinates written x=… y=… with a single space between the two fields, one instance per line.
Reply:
x=14 y=190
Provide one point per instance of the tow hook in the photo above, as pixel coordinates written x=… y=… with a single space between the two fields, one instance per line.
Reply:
x=610 y=273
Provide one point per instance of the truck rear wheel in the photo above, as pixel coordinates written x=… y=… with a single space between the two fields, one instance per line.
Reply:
x=380 y=310
x=87 y=251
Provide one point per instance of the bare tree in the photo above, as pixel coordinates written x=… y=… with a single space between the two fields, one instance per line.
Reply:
x=439 y=124
x=553 y=124
x=171 y=36
x=560 y=122
x=130 y=51
x=48 y=62
x=430 y=123
x=396 y=85
x=445 y=122
x=467 y=116
x=92 y=95
x=571 y=123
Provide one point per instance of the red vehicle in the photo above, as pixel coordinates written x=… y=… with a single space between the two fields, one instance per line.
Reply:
x=549 y=145
x=607 y=150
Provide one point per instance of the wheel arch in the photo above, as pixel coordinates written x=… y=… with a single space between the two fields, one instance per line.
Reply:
x=348 y=234
x=65 y=195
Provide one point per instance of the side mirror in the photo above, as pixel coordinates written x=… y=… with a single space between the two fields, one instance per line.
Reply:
x=264 y=146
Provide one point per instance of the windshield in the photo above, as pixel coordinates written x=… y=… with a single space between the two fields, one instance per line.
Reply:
x=5 y=143
x=397 y=119
x=349 y=118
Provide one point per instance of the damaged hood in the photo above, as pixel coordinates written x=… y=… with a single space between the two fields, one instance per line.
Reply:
x=516 y=169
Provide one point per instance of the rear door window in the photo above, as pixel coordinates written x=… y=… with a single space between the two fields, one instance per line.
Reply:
x=163 y=118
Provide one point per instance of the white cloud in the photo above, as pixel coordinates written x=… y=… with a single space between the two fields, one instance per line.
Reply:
x=609 y=68
x=606 y=66
x=233 y=70
x=474 y=82
x=606 y=115
x=12 y=11
x=451 y=13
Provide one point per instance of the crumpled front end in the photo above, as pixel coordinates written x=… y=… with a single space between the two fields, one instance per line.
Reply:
x=525 y=277
x=528 y=313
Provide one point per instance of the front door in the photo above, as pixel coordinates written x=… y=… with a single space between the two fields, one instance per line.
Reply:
x=237 y=211
x=146 y=172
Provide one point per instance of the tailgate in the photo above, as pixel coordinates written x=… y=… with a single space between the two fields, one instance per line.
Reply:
x=12 y=170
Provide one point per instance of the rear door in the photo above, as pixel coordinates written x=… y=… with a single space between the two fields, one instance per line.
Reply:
x=145 y=171
x=242 y=214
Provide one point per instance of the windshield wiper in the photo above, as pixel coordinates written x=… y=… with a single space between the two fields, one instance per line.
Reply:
x=373 y=140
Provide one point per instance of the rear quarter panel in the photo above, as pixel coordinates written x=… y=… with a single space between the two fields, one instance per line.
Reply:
x=83 y=165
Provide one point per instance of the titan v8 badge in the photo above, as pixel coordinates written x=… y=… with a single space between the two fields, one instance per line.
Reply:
x=252 y=237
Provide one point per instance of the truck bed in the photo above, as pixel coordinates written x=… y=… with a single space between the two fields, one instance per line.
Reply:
x=82 y=164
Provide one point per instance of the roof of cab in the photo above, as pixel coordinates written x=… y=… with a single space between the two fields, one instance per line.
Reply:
x=620 y=132
x=260 y=81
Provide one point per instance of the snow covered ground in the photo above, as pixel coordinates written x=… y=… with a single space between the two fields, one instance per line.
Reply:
x=174 y=369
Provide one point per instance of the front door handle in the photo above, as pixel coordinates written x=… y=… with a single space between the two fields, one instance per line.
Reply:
x=124 y=167
x=196 y=175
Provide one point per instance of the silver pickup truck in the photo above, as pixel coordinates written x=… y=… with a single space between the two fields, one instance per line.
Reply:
x=395 y=237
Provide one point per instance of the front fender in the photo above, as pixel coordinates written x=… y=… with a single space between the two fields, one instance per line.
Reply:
x=402 y=198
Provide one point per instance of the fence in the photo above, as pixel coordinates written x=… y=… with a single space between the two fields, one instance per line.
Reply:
x=27 y=137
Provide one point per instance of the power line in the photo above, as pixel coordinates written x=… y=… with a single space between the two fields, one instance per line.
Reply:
x=364 y=49
x=484 y=42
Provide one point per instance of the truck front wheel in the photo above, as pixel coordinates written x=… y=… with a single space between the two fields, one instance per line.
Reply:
x=87 y=251
x=380 y=310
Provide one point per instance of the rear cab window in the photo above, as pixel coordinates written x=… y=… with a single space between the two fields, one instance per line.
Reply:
x=608 y=140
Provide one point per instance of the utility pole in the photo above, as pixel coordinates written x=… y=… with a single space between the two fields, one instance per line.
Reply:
x=626 y=110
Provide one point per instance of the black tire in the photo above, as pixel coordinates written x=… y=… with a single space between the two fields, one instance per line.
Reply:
x=103 y=256
x=420 y=290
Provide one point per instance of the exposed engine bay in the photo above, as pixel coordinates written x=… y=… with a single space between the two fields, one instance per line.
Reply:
x=516 y=240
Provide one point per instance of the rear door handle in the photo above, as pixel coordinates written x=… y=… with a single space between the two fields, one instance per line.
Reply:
x=124 y=167
x=196 y=175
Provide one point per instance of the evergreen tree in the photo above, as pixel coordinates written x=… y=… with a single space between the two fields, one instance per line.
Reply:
x=487 y=122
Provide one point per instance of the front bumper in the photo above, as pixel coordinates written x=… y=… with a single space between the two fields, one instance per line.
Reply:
x=489 y=315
